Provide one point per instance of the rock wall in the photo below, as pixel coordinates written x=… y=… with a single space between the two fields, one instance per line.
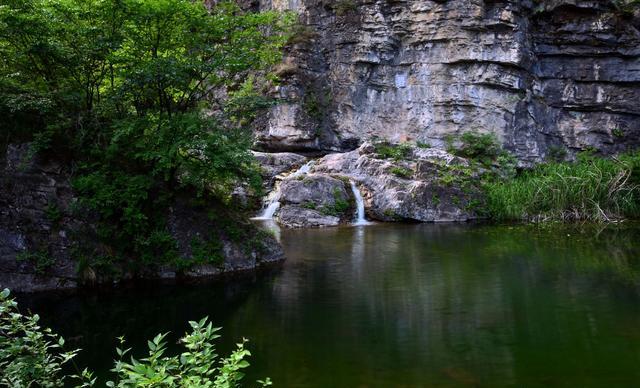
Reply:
x=34 y=198
x=40 y=233
x=542 y=75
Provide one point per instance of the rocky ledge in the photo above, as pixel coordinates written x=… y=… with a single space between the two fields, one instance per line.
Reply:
x=397 y=183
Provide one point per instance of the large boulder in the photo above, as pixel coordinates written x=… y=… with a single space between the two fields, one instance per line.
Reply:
x=314 y=200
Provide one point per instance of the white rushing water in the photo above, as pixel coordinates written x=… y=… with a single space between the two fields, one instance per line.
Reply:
x=360 y=218
x=273 y=199
x=271 y=209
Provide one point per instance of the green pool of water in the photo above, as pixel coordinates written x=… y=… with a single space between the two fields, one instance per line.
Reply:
x=403 y=306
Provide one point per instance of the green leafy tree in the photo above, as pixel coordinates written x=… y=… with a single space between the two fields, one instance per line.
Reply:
x=145 y=99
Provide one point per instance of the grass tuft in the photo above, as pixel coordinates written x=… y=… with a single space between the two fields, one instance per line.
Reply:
x=590 y=189
x=387 y=150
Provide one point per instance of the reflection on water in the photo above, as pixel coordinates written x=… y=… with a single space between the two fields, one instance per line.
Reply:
x=406 y=305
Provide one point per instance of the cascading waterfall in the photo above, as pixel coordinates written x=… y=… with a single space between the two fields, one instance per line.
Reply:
x=273 y=205
x=360 y=217
x=273 y=199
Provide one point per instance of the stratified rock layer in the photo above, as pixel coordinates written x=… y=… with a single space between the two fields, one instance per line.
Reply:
x=542 y=76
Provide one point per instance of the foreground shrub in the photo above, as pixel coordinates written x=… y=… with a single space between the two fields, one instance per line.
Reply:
x=198 y=366
x=31 y=355
x=590 y=189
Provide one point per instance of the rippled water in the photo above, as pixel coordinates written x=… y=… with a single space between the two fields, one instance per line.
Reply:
x=404 y=306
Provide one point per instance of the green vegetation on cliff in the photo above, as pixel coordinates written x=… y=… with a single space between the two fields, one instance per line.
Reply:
x=128 y=94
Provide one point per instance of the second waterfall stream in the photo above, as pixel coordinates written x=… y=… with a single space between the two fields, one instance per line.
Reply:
x=360 y=215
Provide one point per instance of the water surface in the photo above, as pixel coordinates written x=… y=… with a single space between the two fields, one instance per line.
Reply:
x=403 y=306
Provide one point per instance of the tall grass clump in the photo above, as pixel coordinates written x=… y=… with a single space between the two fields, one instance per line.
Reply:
x=589 y=189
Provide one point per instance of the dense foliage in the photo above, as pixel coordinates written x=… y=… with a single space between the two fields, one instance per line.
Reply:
x=31 y=355
x=142 y=98
x=592 y=188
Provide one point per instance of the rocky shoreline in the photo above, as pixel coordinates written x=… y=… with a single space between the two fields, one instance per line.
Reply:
x=40 y=233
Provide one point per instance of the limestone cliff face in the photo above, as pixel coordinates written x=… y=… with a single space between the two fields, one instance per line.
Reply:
x=540 y=75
